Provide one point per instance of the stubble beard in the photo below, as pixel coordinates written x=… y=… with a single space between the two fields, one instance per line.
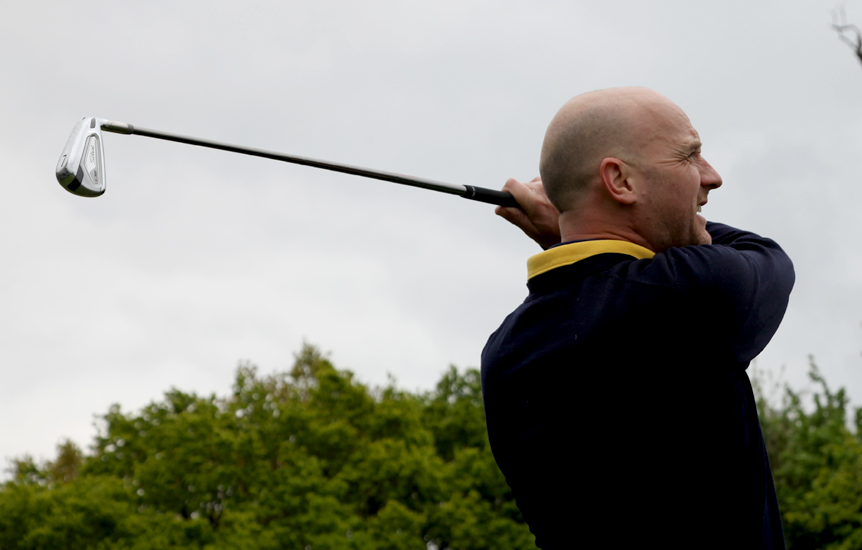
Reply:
x=703 y=236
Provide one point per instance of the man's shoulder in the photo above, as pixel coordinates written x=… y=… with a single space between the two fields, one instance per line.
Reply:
x=734 y=256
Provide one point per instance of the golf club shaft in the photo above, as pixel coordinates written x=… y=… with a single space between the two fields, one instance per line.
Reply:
x=466 y=191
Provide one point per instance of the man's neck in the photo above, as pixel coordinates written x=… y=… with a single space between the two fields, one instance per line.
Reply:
x=581 y=228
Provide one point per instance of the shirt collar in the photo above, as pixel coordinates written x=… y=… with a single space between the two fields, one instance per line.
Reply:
x=569 y=253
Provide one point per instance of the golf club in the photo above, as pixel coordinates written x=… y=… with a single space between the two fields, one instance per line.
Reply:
x=81 y=168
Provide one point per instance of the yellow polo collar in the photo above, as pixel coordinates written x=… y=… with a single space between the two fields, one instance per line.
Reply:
x=568 y=254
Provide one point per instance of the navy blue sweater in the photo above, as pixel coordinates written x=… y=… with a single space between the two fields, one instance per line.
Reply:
x=616 y=397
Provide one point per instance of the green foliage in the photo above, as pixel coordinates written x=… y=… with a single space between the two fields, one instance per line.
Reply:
x=306 y=459
x=817 y=465
x=314 y=459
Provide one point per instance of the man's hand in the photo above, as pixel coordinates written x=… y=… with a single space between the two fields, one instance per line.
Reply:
x=539 y=219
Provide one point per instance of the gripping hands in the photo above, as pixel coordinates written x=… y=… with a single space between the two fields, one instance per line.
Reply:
x=537 y=217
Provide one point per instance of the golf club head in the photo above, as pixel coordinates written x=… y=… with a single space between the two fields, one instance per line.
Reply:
x=81 y=168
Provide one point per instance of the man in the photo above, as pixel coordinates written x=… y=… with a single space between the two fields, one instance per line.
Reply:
x=616 y=397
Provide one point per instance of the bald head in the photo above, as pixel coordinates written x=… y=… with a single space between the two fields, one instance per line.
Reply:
x=589 y=128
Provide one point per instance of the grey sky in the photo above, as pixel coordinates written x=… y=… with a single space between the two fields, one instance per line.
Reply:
x=196 y=259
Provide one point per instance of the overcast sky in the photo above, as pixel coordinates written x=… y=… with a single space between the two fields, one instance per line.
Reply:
x=195 y=259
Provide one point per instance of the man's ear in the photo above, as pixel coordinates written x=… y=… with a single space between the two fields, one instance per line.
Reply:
x=617 y=178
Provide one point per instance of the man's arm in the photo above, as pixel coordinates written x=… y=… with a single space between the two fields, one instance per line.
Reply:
x=537 y=217
x=742 y=278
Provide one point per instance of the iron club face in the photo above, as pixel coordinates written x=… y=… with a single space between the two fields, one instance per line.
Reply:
x=81 y=168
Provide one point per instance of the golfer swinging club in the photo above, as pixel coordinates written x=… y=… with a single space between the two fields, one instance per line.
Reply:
x=616 y=397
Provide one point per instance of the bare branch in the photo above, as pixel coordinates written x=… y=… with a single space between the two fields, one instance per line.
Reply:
x=839 y=24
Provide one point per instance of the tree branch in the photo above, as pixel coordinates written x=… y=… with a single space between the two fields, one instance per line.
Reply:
x=839 y=24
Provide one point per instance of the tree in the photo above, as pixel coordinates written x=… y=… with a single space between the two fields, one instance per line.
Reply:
x=306 y=459
x=817 y=466
x=312 y=458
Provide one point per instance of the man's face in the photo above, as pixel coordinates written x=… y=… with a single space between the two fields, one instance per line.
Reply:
x=675 y=179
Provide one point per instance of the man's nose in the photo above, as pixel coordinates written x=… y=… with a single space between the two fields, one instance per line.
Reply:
x=708 y=175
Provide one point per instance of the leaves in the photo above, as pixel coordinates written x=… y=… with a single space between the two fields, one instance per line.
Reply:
x=305 y=459
x=314 y=459
x=817 y=466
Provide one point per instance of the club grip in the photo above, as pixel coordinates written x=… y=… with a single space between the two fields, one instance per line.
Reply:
x=500 y=198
